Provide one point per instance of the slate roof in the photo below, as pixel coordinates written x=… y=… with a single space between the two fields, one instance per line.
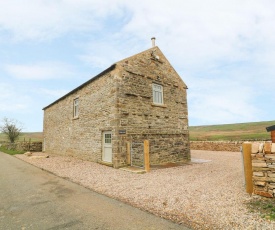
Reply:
x=270 y=128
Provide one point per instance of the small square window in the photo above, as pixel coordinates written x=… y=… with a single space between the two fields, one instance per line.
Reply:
x=157 y=94
x=76 y=107
x=108 y=138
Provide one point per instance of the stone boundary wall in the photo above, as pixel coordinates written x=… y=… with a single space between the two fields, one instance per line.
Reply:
x=26 y=146
x=231 y=146
x=163 y=148
x=263 y=167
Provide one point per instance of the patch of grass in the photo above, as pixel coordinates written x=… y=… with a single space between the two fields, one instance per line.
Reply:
x=264 y=206
x=228 y=132
x=10 y=151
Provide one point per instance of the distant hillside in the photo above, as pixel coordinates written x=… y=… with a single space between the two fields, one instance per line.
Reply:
x=241 y=131
x=35 y=136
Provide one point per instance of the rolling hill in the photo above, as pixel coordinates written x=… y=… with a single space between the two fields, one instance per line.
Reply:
x=235 y=132
x=239 y=131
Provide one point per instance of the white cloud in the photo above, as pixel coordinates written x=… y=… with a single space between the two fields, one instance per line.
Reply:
x=222 y=101
x=53 y=93
x=43 y=20
x=224 y=50
x=191 y=32
x=101 y=54
x=195 y=35
x=202 y=31
x=199 y=32
x=11 y=100
x=39 y=71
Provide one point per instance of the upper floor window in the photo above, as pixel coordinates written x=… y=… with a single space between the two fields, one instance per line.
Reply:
x=157 y=94
x=76 y=107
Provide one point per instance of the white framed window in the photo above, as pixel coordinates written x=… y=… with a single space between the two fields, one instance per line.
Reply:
x=76 y=107
x=108 y=138
x=157 y=94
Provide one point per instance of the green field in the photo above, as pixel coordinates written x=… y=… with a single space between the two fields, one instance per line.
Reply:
x=241 y=131
x=35 y=136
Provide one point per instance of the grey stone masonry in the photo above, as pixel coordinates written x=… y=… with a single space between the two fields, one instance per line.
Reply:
x=120 y=100
x=263 y=167
x=231 y=146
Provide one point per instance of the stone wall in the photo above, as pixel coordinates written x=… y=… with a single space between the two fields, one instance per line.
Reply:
x=81 y=136
x=32 y=146
x=26 y=146
x=231 y=146
x=120 y=101
x=263 y=167
x=165 y=125
x=163 y=148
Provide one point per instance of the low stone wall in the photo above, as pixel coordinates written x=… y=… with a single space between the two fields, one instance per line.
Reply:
x=263 y=167
x=163 y=148
x=26 y=146
x=231 y=146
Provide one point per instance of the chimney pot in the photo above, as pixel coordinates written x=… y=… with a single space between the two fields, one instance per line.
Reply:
x=153 y=41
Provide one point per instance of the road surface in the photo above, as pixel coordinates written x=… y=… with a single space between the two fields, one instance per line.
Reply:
x=31 y=198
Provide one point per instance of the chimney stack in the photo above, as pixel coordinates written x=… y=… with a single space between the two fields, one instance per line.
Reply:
x=153 y=41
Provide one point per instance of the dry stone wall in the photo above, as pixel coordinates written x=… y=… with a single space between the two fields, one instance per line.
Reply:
x=231 y=146
x=263 y=167
x=163 y=148
x=30 y=146
x=26 y=146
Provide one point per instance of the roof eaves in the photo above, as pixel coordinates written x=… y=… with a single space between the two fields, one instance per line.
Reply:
x=112 y=67
x=270 y=128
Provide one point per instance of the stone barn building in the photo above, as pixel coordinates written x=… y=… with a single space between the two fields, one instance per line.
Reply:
x=107 y=118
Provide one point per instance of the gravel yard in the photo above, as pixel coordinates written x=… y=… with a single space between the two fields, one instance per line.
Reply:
x=207 y=195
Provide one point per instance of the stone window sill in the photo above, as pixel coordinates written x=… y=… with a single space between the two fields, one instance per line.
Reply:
x=159 y=105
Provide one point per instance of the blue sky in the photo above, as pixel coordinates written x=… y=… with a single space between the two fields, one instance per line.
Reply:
x=223 y=50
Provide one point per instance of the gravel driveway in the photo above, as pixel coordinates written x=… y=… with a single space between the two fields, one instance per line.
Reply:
x=207 y=195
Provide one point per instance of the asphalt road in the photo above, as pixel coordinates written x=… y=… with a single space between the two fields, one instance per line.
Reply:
x=31 y=198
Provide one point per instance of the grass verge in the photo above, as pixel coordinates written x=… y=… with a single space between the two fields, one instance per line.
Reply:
x=10 y=151
x=264 y=206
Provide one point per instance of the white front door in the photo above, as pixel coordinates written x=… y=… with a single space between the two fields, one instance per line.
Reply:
x=107 y=147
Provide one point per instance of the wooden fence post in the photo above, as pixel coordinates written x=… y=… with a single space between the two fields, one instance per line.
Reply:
x=146 y=156
x=247 y=149
x=128 y=149
x=29 y=144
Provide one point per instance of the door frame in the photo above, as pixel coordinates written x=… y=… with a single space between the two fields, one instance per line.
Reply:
x=103 y=146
